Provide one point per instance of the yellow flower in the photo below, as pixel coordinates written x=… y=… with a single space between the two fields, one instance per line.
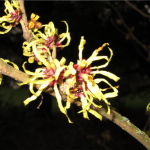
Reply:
x=33 y=23
x=12 y=16
x=44 y=42
x=83 y=85
x=51 y=75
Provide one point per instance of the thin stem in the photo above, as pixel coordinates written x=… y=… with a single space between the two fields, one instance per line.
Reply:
x=126 y=125
x=18 y=75
x=128 y=29
x=139 y=11
x=121 y=31
x=123 y=123
x=134 y=44
x=115 y=117
x=24 y=22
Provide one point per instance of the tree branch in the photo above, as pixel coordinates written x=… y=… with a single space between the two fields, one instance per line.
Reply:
x=139 y=11
x=115 y=117
x=133 y=42
x=128 y=29
x=123 y=123
x=19 y=75
x=24 y=22
x=126 y=125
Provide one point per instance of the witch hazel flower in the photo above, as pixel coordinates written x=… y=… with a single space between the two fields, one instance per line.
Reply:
x=52 y=38
x=43 y=43
x=82 y=84
x=12 y=16
x=51 y=75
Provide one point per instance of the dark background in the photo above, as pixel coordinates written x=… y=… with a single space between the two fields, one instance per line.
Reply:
x=29 y=128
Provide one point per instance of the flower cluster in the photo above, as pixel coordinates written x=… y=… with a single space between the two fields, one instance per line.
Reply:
x=12 y=16
x=83 y=85
x=75 y=80
x=41 y=44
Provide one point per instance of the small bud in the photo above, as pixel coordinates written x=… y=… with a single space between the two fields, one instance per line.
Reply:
x=31 y=59
x=39 y=63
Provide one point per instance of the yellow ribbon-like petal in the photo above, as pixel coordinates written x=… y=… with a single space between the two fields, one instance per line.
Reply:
x=107 y=74
x=110 y=94
x=59 y=101
x=84 y=104
x=1 y=78
x=97 y=115
x=38 y=93
x=104 y=65
x=81 y=47
x=40 y=57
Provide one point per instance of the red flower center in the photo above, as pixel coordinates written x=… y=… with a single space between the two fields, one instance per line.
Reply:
x=85 y=70
x=56 y=39
x=50 y=72
x=15 y=16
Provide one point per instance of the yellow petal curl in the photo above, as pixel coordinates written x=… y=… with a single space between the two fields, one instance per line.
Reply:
x=102 y=66
x=1 y=78
x=81 y=47
x=107 y=74
x=84 y=103
x=38 y=93
x=59 y=101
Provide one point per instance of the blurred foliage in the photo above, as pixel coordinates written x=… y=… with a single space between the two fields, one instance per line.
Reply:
x=13 y=98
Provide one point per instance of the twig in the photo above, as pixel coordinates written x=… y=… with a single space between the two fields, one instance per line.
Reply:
x=18 y=75
x=12 y=72
x=136 y=48
x=127 y=28
x=24 y=22
x=117 y=27
x=115 y=117
x=131 y=41
x=126 y=125
x=142 y=13
x=53 y=52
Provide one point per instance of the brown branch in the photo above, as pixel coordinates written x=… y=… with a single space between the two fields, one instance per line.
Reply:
x=137 y=49
x=12 y=72
x=133 y=43
x=54 y=52
x=134 y=7
x=26 y=32
x=24 y=22
x=126 y=125
x=128 y=29
x=122 y=32
x=115 y=117
x=18 y=75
